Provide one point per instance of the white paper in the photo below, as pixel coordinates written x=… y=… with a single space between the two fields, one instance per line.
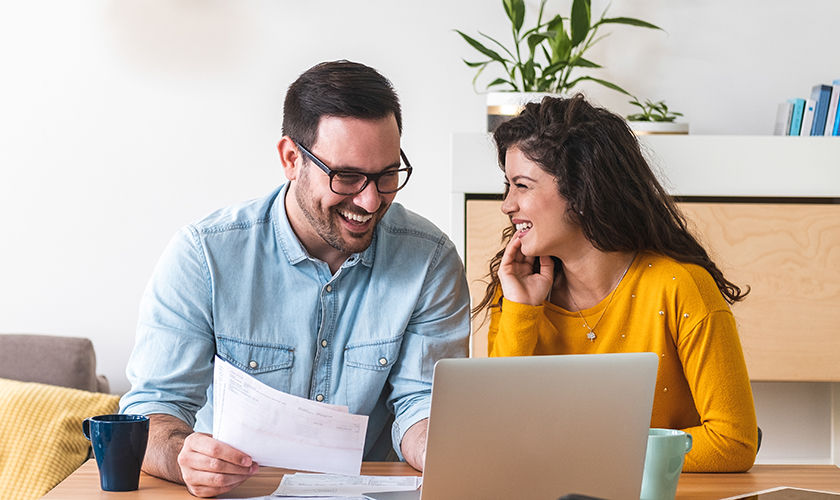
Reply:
x=338 y=485
x=280 y=430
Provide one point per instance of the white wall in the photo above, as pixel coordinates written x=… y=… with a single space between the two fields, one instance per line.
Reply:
x=122 y=120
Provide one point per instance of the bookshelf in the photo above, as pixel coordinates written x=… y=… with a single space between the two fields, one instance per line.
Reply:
x=768 y=207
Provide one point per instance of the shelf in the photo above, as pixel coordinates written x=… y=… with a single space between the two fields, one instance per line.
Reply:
x=692 y=165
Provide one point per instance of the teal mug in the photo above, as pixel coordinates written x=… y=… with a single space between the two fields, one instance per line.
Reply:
x=666 y=449
x=119 y=445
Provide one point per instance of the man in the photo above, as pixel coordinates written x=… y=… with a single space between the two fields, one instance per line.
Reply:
x=323 y=289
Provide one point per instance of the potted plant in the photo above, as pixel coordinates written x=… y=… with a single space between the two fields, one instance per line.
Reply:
x=541 y=58
x=655 y=118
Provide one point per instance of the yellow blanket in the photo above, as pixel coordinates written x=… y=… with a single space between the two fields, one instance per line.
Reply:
x=41 y=440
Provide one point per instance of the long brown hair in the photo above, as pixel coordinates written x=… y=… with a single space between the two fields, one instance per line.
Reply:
x=611 y=191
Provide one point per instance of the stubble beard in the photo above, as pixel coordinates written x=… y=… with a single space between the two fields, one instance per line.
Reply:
x=327 y=226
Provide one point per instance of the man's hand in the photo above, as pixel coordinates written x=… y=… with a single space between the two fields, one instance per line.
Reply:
x=413 y=444
x=207 y=467
x=210 y=467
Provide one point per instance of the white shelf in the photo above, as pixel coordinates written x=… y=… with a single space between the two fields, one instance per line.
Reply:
x=687 y=165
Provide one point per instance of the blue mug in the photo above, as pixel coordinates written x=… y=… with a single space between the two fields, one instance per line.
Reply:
x=119 y=445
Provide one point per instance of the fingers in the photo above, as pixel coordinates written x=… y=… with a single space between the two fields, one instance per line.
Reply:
x=210 y=467
x=513 y=253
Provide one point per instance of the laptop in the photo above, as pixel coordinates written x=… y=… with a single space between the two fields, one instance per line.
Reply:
x=537 y=427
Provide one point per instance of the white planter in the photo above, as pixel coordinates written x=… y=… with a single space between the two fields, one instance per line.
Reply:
x=655 y=128
x=502 y=106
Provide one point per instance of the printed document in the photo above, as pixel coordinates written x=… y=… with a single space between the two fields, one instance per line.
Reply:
x=280 y=430
x=338 y=485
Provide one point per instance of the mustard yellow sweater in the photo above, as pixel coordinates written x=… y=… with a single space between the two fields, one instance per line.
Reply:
x=674 y=310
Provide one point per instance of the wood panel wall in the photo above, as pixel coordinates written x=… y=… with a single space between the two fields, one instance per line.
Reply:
x=788 y=253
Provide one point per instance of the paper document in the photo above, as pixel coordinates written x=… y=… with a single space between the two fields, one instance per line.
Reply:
x=338 y=485
x=280 y=430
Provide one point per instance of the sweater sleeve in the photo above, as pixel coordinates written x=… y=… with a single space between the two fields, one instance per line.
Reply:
x=713 y=362
x=513 y=329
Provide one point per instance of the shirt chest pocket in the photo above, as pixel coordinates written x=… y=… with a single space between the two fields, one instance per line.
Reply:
x=271 y=364
x=367 y=367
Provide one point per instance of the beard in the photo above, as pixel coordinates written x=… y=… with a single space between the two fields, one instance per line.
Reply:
x=327 y=221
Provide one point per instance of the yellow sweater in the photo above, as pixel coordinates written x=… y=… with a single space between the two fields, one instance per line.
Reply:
x=676 y=311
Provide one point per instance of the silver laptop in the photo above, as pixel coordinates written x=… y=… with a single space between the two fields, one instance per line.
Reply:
x=538 y=427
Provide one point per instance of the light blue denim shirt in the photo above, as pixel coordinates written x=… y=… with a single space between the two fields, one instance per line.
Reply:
x=238 y=284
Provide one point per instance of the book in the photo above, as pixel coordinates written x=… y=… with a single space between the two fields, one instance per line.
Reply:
x=832 y=122
x=796 y=115
x=807 y=117
x=820 y=94
x=783 y=114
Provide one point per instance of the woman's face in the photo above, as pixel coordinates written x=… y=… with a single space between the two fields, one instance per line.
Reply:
x=537 y=209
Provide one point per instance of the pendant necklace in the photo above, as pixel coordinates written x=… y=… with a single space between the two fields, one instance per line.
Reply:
x=591 y=335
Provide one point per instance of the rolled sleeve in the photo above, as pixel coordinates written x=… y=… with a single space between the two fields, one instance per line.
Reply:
x=439 y=328
x=171 y=366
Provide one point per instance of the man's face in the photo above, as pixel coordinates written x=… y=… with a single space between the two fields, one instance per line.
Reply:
x=345 y=222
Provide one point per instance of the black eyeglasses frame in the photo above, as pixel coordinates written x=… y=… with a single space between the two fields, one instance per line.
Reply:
x=368 y=177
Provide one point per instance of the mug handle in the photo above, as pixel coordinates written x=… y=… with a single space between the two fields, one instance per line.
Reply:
x=86 y=428
x=688 y=442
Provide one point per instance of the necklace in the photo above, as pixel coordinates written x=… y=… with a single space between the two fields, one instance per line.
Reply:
x=591 y=335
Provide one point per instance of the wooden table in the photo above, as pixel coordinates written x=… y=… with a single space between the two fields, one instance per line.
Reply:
x=84 y=483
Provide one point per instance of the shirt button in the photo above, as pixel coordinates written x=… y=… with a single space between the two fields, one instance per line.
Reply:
x=253 y=364
x=383 y=361
x=319 y=397
x=324 y=343
x=329 y=288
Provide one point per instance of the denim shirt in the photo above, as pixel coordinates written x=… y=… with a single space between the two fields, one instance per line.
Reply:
x=239 y=284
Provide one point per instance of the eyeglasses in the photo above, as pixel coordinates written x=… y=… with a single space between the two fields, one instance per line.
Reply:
x=345 y=182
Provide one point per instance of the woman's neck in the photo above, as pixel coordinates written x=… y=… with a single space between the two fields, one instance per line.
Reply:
x=589 y=277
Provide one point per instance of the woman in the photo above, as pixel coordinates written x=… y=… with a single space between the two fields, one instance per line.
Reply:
x=599 y=260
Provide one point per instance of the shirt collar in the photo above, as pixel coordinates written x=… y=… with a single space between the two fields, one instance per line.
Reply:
x=291 y=245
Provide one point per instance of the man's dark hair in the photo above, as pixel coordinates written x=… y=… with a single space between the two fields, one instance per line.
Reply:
x=337 y=88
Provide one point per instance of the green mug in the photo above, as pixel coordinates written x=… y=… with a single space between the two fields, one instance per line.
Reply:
x=666 y=449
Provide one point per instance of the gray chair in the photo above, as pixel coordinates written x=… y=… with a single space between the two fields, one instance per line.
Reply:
x=47 y=359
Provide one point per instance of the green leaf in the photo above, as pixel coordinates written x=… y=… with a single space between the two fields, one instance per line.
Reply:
x=512 y=57
x=484 y=50
x=556 y=21
x=561 y=45
x=528 y=73
x=580 y=22
x=536 y=39
x=474 y=64
x=552 y=69
x=630 y=21
x=515 y=10
x=584 y=63
x=502 y=81
x=602 y=82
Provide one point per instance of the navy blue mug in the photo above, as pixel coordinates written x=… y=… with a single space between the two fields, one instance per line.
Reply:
x=119 y=444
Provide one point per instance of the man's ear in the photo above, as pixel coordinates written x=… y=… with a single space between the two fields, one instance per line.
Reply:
x=290 y=157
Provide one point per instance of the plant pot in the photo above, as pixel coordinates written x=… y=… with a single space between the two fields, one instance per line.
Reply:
x=656 y=128
x=502 y=106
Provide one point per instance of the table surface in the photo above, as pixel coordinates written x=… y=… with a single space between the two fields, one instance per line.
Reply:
x=84 y=483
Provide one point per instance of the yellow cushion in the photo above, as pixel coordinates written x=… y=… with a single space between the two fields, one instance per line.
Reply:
x=41 y=440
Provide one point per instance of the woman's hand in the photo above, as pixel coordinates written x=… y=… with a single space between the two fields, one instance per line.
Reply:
x=519 y=282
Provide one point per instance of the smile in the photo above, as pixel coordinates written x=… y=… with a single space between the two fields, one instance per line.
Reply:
x=524 y=226
x=358 y=218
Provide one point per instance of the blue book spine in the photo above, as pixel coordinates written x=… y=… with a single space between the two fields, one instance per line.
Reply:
x=836 y=129
x=796 y=116
x=821 y=94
